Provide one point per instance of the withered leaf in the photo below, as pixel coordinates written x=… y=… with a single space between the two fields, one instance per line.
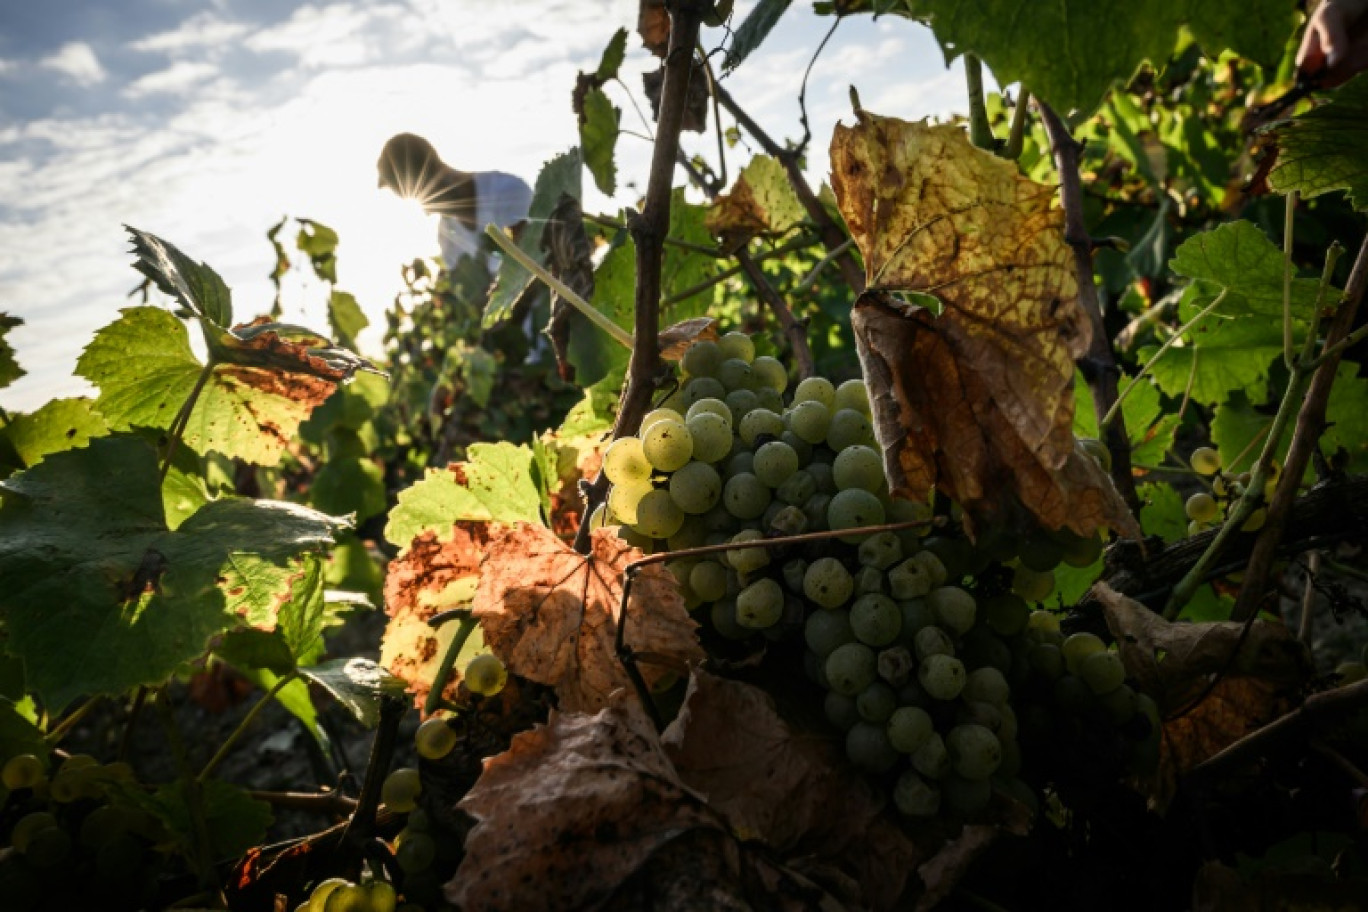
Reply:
x=432 y=574
x=567 y=256
x=787 y=788
x=760 y=201
x=551 y=613
x=977 y=401
x=695 y=103
x=267 y=344
x=653 y=25
x=571 y=811
x=675 y=340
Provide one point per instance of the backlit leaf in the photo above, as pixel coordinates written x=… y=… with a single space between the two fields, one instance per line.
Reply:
x=61 y=424
x=761 y=201
x=494 y=484
x=196 y=286
x=1326 y=148
x=598 y=137
x=9 y=368
x=753 y=30
x=612 y=56
x=358 y=684
x=346 y=318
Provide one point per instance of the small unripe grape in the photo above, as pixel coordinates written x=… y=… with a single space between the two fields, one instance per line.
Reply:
x=667 y=445
x=701 y=359
x=485 y=675
x=22 y=771
x=711 y=435
x=401 y=789
x=737 y=345
x=1205 y=461
x=760 y=605
x=1201 y=507
x=828 y=583
x=434 y=739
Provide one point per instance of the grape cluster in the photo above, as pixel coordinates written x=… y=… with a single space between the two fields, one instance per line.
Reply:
x=1207 y=509
x=337 y=894
x=72 y=838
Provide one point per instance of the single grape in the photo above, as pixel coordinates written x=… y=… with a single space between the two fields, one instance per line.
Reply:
x=809 y=420
x=822 y=474
x=942 y=676
x=786 y=520
x=656 y=415
x=701 y=388
x=793 y=572
x=988 y=685
x=760 y=605
x=858 y=467
x=382 y=896
x=624 y=498
x=708 y=580
x=635 y=539
x=955 y=609
x=975 y=752
x=978 y=712
x=769 y=400
x=930 y=641
x=869 y=580
x=849 y=428
x=22 y=771
x=736 y=374
x=876 y=703
x=853 y=394
x=850 y=668
x=1102 y=671
x=701 y=359
x=485 y=675
x=916 y=616
x=1202 y=507
x=1040 y=553
x=771 y=373
x=854 y=508
x=741 y=402
x=875 y=619
x=932 y=760
x=668 y=445
x=895 y=665
x=349 y=898
x=909 y=727
x=737 y=345
x=742 y=460
x=815 y=509
x=748 y=560
x=696 y=488
x=774 y=462
x=815 y=389
x=1078 y=647
x=800 y=446
x=914 y=798
x=909 y=579
x=880 y=551
x=709 y=407
x=757 y=422
x=745 y=496
x=826 y=629
x=840 y=710
x=868 y=748
x=1120 y=704
x=414 y=852
x=1006 y=614
x=434 y=739
x=1079 y=551
x=690 y=535
x=797 y=488
x=828 y=583
x=712 y=436
x=1205 y=461
x=401 y=789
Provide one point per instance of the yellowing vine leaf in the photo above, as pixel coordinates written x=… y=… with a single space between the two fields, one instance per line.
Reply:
x=551 y=613
x=977 y=401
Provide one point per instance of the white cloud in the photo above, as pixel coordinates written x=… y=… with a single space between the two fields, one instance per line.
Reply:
x=335 y=35
x=180 y=77
x=204 y=30
x=77 y=61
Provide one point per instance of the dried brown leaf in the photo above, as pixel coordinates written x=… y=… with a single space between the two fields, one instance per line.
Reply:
x=695 y=102
x=431 y=575
x=787 y=788
x=984 y=408
x=676 y=339
x=551 y=613
x=653 y=25
x=736 y=216
x=571 y=812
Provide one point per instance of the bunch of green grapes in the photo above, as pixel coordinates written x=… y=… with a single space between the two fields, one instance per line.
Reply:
x=337 y=894
x=1208 y=509
x=71 y=840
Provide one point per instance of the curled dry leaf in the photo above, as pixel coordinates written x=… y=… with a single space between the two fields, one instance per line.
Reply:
x=977 y=401
x=551 y=613
x=566 y=246
x=675 y=340
x=653 y=25
x=432 y=574
x=571 y=811
x=695 y=103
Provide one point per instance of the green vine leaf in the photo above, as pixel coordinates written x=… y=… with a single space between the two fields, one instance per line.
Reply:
x=59 y=425
x=1151 y=430
x=319 y=243
x=355 y=486
x=753 y=30
x=84 y=547
x=195 y=285
x=613 y=54
x=1240 y=259
x=9 y=367
x=346 y=318
x=1324 y=148
x=1162 y=513
x=598 y=129
x=358 y=684
x=495 y=484
x=590 y=351
x=1231 y=355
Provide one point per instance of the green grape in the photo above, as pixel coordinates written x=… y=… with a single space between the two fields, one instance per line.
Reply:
x=840 y=710
x=880 y=551
x=909 y=727
x=966 y=796
x=414 y=852
x=869 y=580
x=701 y=359
x=854 y=508
x=775 y=462
x=916 y=616
x=868 y=748
x=401 y=789
x=955 y=609
x=668 y=445
x=914 y=798
x=745 y=496
x=709 y=407
x=810 y=420
x=708 y=580
x=850 y=668
x=748 y=560
x=48 y=848
x=975 y=752
x=849 y=428
x=771 y=373
x=1043 y=622
x=711 y=435
x=875 y=619
x=349 y=898
x=65 y=787
x=690 y=535
x=988 y=685
x=932 y=760
x=1078 y=647
x=1201 y=507
x=635 y=539
x=22 y=771
x=657 y=415
x=1101 y=671
x=822 y=474
x=853 y=394
x=787 y=520
x=797 y=488
x=815 y=509
x=382 y=896
x=1006 y=614
x=909 y=579
x=1072 y=695
x=1079 y=551
x=736 y=374
x=28 y=826
x=930 y=641
x=701 y=388
x=793 y=572
x=828 y=583
x=742 y=460
x=941 y=676
x=723 y=616
x=954 y=555
x=434 y=739
x=769 y=400
x=826 y=629
x=858 y=467
x=800 y=446
x=1255 y=521
x=1032 y=586
x=624 y=498
x=757 y=422
x=1205 y=461
x=760 y=605
x=1040 y=553
x=737 y=345
x=1097 y=451
x=978 y=712
x=485 y=675
x=695 y=489
x=815 y=389
x=741 y=402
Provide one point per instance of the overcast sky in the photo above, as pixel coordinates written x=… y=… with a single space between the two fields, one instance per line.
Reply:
x=205 y=122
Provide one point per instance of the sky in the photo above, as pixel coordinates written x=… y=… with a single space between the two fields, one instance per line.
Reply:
x=206 y=122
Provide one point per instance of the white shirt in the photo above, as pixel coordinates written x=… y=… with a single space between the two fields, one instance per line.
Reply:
x=499 y=198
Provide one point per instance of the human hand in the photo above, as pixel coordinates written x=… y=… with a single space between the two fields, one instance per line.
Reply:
x=1335 y=45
